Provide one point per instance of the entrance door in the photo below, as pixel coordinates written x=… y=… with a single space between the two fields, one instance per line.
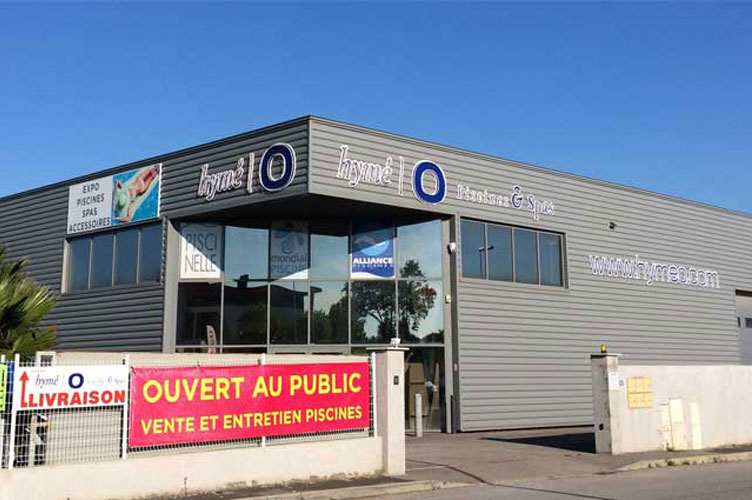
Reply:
x=744 y=315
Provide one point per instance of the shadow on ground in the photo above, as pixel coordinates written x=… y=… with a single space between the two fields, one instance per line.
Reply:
x=581 y=442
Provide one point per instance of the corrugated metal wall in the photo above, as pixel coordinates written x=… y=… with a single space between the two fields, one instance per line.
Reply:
x=130 y=317
x=524 y=349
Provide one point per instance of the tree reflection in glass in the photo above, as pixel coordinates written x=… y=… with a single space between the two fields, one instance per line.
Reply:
x=421 y=312
x=373 y=318
x=288 y=318
x=329 y=312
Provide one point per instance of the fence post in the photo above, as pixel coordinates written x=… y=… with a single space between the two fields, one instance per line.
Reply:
x=374 y=420
x=262 y=362
x=390 y=407
x=126 y=408
x=2 y=412
x=12 y=437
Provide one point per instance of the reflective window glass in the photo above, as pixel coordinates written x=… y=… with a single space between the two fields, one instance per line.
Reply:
x=473 y=249
x=421 y=311
x=525 y=256
x=198 y=308
x=288 y=316
x=329 y=312
x=150 y=253
x=499 y=252
x=372 y=250
x=79 y=253
x=126 y=253
x=246 y=253
x=101 y=260
x=550 y=259
x=419 y=249
x=329 y=249
x=245 y=313
x=372 y=311
x=424 y=375
x=288 y=253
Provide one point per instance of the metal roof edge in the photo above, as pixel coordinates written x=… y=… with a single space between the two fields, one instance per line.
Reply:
x=515 y=163
x=157 y=158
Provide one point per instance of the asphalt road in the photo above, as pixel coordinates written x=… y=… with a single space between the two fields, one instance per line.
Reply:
x=732 y=481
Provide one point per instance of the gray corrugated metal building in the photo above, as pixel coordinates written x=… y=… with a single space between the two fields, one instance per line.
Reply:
x=323 y=237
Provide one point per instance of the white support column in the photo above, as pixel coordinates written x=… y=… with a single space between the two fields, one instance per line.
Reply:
x=390 y=407
x=605 y=369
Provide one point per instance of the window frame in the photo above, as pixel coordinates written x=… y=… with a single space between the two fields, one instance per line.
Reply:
x=67 y=262
x=539 y=285
x=348 y=343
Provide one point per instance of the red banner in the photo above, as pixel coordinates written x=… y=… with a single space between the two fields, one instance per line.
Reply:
x=192 y=405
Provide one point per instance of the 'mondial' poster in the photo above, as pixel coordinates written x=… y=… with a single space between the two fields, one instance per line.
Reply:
x=288 y=252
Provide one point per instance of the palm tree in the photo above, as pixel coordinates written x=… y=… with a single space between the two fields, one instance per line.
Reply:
x=23 y=304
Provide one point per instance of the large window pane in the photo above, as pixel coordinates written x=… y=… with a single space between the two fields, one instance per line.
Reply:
x=329 y=250
x=372 y=250
x=329 y=312
x=419 y=249
x=288 y=321
x=126 y=252
x=473 y=249
x=525 y=256
x=499 y=253
x=198 y=307
x=101 y=260
x=150 y=253
x=78 y=270
x=373 y=318
x=550 y=259
x=421 y=311
x=245 y=313
x=246 y=253
x=288 y=254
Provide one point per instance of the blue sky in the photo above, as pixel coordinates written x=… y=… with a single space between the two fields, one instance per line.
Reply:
x=650 y=95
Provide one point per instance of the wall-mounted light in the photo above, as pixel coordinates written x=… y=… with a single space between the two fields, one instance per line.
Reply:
x=612 y=225
x=452 y=247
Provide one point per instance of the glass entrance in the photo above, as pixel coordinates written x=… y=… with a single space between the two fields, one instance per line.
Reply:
x=326 y=287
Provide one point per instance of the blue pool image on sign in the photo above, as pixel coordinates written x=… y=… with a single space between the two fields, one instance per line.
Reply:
x=373 y=251
x=135 y=195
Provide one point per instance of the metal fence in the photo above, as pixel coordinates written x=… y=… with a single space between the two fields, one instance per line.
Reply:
x=31 y=437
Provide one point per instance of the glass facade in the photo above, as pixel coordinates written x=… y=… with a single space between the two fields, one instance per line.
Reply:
x=327 y=286
x=293 y=282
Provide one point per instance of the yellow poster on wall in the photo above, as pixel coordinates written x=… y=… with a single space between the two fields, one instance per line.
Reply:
x=3 y=384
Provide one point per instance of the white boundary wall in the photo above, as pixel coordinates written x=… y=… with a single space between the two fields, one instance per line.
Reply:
x=672 y=407
x=177 y=472
x=186 y=473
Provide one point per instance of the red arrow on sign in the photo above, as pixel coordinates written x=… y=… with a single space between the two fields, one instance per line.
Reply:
x=24 y=378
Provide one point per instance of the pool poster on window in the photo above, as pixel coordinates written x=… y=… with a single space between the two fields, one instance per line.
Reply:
x=372 y=251
x=115 y=200
x=288 y=250
x=135 y=195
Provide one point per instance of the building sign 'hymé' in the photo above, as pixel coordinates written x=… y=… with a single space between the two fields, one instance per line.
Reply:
x=429 y=183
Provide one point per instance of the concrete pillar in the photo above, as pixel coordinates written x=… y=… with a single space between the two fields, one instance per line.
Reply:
x=390 y=407
x=605 y=369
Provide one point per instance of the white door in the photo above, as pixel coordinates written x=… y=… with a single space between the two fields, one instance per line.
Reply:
x=744 y=314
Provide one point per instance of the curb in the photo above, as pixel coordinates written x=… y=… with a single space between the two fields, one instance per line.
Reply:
x=374 y=490
x=695 y=460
